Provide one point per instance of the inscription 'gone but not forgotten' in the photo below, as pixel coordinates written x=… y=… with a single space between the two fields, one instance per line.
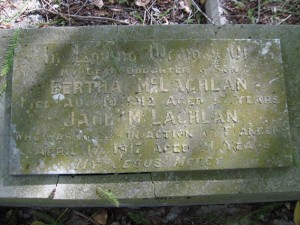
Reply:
x=141 y=106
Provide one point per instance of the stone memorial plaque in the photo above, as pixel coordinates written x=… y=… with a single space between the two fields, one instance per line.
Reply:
x=145 y=106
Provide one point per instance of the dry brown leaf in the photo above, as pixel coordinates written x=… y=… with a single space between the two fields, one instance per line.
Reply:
x=116 y=223
x=116 y=9
x=202 y=2
x=9 y=215
x=98 y=3
x=185 y=5
x=38 y=223
x=288 y=205
x=101 y=217
x=157 y=221
x=297 y=214
x=142 y=3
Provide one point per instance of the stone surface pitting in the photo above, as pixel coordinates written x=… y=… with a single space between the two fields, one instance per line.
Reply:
x=142 y=106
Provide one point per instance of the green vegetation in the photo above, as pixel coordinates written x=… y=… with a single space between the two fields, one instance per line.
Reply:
x=123 y=2
x=47 y=220
x=258 y=213
x=137 y=16
x=108 y=196
x=138 y=219
x=251 y=16
x=9 y=59
x=254 y=217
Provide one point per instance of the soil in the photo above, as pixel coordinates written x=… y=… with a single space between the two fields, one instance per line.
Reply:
x=280 y=213
x=45 y=13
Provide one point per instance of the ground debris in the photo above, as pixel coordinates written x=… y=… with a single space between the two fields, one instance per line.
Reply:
x=259 y=214
x=270 y=12
x=126 y=12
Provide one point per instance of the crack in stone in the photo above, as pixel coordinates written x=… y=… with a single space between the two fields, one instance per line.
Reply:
x=154 y=188
x=52 y=194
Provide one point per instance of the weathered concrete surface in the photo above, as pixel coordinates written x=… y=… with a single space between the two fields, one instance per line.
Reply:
x=192 y=187
x=148 y=106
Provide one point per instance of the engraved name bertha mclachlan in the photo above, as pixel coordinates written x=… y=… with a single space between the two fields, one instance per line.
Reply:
x=143 y=106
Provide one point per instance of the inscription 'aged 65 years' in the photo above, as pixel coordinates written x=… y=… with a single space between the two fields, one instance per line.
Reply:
x=142 y=106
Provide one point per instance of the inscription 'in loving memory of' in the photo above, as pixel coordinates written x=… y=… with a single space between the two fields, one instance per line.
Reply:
x=141 y=106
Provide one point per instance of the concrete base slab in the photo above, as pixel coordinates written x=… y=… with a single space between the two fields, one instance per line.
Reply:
x=159 y=188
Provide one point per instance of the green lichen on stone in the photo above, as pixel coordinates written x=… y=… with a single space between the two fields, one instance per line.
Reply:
x=141 y=106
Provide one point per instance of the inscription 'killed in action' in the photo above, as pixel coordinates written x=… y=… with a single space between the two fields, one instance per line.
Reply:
x=143 y=106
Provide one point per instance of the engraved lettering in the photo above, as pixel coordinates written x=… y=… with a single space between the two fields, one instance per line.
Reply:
x=134 y=117
x=157 y=52
x=71 y=120
x=125 y=106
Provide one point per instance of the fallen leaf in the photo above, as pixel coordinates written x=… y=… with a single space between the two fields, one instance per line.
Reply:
x=288 y=205
x=142 y=3
x=116 y=9
x=98 y=3
x=38 y=223
x=55 y=6
x=101 y=217
x=10 y=213
x=156 y=221
x=297 y=214
x=185 y=5
x=202 y=2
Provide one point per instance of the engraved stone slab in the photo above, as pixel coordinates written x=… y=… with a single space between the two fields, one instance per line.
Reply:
x=142 y=106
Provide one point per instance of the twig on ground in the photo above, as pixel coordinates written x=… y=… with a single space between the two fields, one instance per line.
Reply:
x=198 y=8
x=284 y=19
x=226 y=8
x=84 y=4
x=61 y=215
x=85 y=217
x=55 y=11
x=69 y=19
x=47 y=3
x=145 y=15
x=258 y=12
x=65 y=16
x=17 y=15
x=47 y=19
x=149 y=12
